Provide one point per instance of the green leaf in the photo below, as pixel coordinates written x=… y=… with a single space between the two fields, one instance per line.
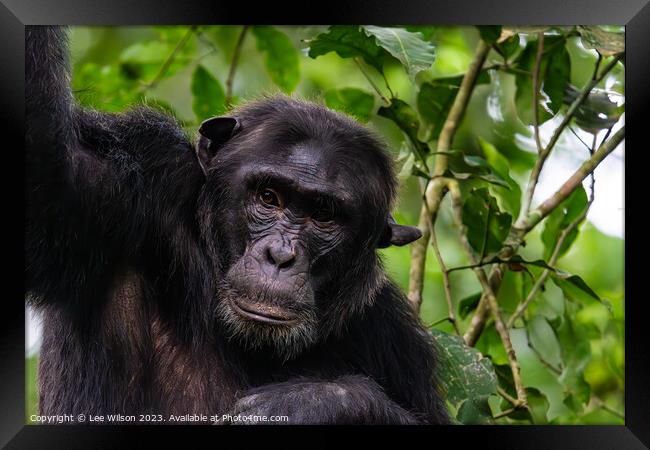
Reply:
x=537 y=406
x=489 y=33
x=576 y=353
x=410 y=49
x=208 y=97
x=464 y=372
x=407 y=120
x=436 y=97
x=606 y=42
x=462 y=167
x=427 y=31
x=509 y=198
x=468 y=304
x=544 y=341
x=509 y=47
x=475 y=411
x=348 y=41
x=554 y=73
x=560 y=219
x=487 y=226
x=280 y=56
x=574 y=287
x=355 y=102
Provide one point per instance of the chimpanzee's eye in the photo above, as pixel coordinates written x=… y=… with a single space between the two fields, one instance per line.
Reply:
x=269 y=197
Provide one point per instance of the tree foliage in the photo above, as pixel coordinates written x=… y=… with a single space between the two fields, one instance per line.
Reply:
x=555 y=309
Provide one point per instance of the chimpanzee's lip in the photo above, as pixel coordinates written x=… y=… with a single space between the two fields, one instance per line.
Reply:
x=271 y=315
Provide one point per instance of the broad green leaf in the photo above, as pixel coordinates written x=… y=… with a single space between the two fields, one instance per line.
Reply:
x=468 y=304
x=509 y=47
x=554 y=73
x=489 y=33
x=475 y=411
x=348 y=41
x=560 y=219
x=436 y=97
x=606 y=42
x=490 y=344
x=352 y=101
x=427 y=31
x=410 y=49
x=208 y=97
x=464 y=372
x=576 y=353
x=407 y=120
x=574 y=287
x=544 y=341
x=462 y=167
x=537 y=406
x=280 y=56
x=509 y=199
x=487 y=226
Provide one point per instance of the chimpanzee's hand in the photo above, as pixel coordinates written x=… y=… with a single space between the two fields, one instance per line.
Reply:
x=347 y=400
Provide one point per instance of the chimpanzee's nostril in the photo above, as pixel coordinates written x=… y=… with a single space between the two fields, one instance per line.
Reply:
x=281 y=257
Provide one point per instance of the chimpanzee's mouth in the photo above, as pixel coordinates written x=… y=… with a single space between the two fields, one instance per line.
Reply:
x=271 y=315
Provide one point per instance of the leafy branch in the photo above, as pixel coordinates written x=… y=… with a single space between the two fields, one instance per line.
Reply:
x=438 y=185
x=527 y=219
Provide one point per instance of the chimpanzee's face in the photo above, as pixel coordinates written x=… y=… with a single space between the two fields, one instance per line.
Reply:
x=293 y=206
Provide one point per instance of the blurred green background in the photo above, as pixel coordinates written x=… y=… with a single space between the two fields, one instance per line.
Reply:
x=114 y=67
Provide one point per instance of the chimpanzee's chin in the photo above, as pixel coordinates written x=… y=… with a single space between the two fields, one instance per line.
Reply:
x=263 y=327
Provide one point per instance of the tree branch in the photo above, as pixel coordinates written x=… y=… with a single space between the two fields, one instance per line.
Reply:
x=545 y=208
x=538 y=64
x=521 y=308
x=524 y=222
x=539 y=164
x=233 y=64
x=457 y=205
x=436 y=188
x=169 y=60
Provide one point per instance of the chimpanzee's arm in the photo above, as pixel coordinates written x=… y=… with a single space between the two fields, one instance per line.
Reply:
x=352 y=399
x=395 y=359
x=96 y=183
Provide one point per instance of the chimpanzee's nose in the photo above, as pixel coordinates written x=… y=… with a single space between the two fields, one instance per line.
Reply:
x=281 y=255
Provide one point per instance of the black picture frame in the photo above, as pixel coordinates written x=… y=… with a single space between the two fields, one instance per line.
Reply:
x=634 y=14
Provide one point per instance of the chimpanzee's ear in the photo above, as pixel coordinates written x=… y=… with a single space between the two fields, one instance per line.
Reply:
x=214 y=132
x=395 y=234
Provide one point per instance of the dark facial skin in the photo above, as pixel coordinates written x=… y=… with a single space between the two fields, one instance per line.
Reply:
x=294 y=215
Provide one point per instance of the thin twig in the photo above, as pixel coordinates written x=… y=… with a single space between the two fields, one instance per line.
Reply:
x=539 y=164
x=169 y=60
x=233 y=64
x=527 y=221
x=445 y=276
x=601 y=404
x=372 y=83
x=502 y=392
x=457 y=206
x=536 y=87
x=505 y=413
x=574 y=181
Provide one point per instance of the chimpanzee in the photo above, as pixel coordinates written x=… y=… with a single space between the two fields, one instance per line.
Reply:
x=236 y=276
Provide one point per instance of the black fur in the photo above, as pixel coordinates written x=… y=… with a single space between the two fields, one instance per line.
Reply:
x=130 y=234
